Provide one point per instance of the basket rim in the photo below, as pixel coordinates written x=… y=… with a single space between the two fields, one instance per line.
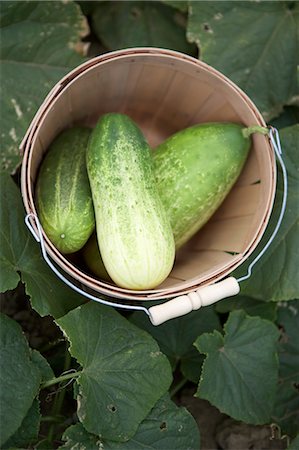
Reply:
x=32 y=132
x=137 y=51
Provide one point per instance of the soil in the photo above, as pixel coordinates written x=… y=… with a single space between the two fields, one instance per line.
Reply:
x=220 y=432
x=217 y=430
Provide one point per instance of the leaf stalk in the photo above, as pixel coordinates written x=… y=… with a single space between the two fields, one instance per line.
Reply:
x=178 y=387
x=65 y=377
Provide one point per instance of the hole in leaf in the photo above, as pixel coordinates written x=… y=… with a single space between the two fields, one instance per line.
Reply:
x=163 y=426
x=283 y=338
x=112 y=408
x=281 y=328
x=207 y=28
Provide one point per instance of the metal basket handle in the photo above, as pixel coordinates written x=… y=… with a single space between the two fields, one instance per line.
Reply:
x=40 y=238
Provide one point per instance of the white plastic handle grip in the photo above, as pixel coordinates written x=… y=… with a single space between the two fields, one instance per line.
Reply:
x=184 y=304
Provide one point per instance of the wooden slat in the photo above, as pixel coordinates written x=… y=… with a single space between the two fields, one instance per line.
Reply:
x=194 y=264
x=179 y=111
x=242 y=201
x=215 y=109
x=229 y=235
x=250 y=173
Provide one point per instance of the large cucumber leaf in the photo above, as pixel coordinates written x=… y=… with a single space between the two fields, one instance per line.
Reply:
x=121 y=24
x=254 y=43
x=88 y=6
x=176 y=338
x=181 y=5
x=40 y=42
x=289 y=117
x=275 y=275
x=123 y=371
x=20 y=378
x=76 y=435
x=20 y=258
x=43 y=366
x=286 y=410
x=294 y=444
x=240 y=372
x=28 y=430
x=166 y=427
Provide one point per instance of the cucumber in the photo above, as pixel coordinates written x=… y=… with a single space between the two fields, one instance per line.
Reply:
x=92 y=258
x=64 y=201
x=133 y=230
x=195 y=170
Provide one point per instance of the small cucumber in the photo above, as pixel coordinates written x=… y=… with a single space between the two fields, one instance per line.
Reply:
x=63 y=194
x=92 y=258
x=133 y=230
x=195 y=170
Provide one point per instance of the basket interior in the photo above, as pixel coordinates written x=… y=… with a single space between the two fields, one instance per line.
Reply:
x=164 y=93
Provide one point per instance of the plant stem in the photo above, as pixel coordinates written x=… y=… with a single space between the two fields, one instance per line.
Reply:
x=254 y=129
x=67 y=376
x=60 y=394
x=177 y=387
x=50 y=419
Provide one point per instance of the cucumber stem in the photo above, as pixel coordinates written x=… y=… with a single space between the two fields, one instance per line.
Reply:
x=64 y=377
x=254 y=129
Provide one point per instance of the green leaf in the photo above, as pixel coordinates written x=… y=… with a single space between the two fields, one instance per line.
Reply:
x=275 y=276
x=139 y=24
x=289 y=117
x=254 y=44
x=251 y=306
x=286 y=410
x=20 y=378
x=182 y=5
x=10 y=220
x=294 y=444
x=38 y=47
x=88 y=6
x=166 y=427
x=288 y=319
x=176 y=338
x=19 y=253
x=123 y=371
x=240 y=372
x=28 y=431
x=76 y=435
x=43 y=366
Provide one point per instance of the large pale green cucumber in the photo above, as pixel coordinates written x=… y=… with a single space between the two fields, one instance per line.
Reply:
x=133 y=230
x=63 y=193
x=195 y=170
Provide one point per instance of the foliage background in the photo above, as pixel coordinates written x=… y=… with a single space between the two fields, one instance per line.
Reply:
x=242 y=355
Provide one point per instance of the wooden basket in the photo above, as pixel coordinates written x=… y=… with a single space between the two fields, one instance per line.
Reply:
x=163 y=91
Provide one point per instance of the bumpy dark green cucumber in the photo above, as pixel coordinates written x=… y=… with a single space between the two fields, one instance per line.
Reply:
x=195 y=170
x=133 y=230
x=63 y=194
